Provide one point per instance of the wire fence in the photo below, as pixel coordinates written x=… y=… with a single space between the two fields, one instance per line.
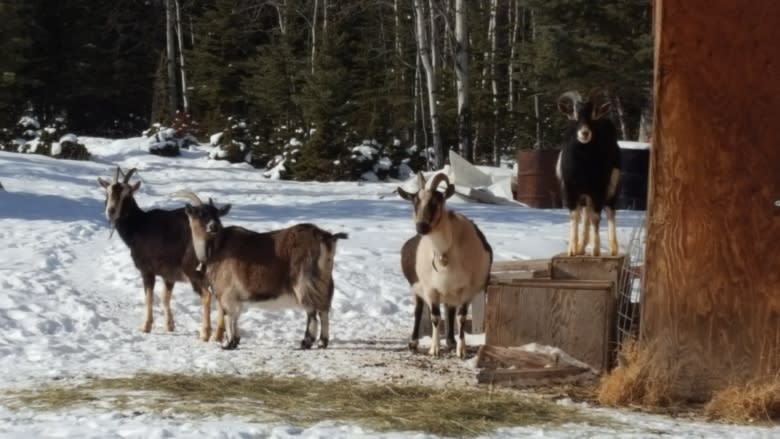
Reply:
x=630 y=286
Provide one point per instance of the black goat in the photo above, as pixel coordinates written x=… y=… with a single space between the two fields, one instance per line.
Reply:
x=160 y=244
x=589 y=168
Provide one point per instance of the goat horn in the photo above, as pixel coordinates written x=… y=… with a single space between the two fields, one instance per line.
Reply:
x=116 y=174
x=574 y=95
x=128 y=175
x=438 y=178
x=420 y=180
x=190 y=196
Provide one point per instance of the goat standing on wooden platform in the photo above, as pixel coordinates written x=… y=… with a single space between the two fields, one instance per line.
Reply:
x=589 y=169
x=288 y=268
x=447 y=262
x=160 y=244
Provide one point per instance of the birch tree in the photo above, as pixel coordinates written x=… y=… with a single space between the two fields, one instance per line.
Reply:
x=185 y=103
x=427 y=53
x=462 y=79
x=173 y=98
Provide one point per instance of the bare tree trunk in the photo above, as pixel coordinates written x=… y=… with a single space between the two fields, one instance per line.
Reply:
x=324 y=19
x=173 y=99
x=537 y=114
x=493 y=83
x=621 y=114
x=185 y=103
x=192 y=32
x=281 y=11
x=646 y=119
x=462 y=80
x=314 y=35
x=514 y=11
x=426 y=54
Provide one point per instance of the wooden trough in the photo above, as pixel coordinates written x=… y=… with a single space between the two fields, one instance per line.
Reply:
x=566 y=302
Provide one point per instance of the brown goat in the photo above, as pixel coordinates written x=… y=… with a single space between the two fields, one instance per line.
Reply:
x=160 y=245
x=288 y=268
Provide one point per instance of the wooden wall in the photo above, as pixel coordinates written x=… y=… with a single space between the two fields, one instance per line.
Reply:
x=711 y=289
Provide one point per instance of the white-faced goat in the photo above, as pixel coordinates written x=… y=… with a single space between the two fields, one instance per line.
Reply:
x=448 y=262
x=288 y=268
x=589 y=169
x=160 y=244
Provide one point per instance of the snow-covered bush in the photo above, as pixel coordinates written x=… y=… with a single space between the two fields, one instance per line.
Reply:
x=69 y=147
x=372 y=161
x=52 y=140
x=167 y=141
x=235 y=143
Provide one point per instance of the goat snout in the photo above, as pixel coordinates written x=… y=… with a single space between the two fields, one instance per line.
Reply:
x=110 y=212
x=423 y=228
x=212 y=227
x=584 y=135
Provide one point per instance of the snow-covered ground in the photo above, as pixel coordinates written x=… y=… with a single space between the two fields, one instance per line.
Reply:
x=71 y=302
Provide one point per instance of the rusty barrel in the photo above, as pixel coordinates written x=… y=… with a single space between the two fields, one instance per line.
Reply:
x=537 y=185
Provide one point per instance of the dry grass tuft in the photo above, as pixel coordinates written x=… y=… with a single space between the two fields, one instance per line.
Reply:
x=632 y=382
x=303 y=401
x=758 y=401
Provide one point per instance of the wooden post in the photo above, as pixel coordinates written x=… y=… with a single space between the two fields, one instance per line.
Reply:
x=711 y=287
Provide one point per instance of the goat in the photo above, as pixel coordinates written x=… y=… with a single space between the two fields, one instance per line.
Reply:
x=160 y=244
x=447 y=262
x=588 y=169
x=287 y=268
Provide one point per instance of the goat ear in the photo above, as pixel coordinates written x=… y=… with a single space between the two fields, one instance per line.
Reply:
x=135 y=187
x=104 y=184
x=601 y=110
x=405 y=195
x=224 y=209
x=449 y=192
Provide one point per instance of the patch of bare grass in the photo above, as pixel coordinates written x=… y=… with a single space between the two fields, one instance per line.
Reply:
x=303 y=401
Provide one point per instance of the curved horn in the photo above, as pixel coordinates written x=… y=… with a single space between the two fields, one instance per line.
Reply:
x=567 y=104
x=420 y=180
x=190 y=196
x=116 y=174
x=128 y=175
x=438 y=178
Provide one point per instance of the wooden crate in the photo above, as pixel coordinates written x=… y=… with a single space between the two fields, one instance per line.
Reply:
x=573 y=309
x=574 y=315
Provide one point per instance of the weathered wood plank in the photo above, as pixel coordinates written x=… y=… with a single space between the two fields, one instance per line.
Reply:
x=711 y=286
x=529 y=377
x=521 y=265
x=576 y=316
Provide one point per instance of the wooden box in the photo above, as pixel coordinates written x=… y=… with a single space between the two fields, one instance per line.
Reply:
x=574 y=309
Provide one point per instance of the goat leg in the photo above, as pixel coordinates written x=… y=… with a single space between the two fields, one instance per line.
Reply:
x=595 y=219
x=219 y=333
x=418 y=309
x=450 y=318
x=435 y=319
x=205 y=301
x=574 y=223
x=148 y=280
x=169 y=324
x=311 y=330
x=324 y=329
x=462 y=313
x=611 y=231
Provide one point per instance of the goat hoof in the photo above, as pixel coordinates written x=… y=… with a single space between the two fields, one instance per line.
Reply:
x=451 y=344
x=323 y=343
x=413 y=346
x=596 y=252
x=461 y=350
x=434 y=351
x=147 y=327
x=204 y=334
x=170 y=326
x=306 y=343
x=231 y=344
x=218 y=335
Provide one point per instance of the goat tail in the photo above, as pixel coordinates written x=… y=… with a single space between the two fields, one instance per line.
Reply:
x=337 y=236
